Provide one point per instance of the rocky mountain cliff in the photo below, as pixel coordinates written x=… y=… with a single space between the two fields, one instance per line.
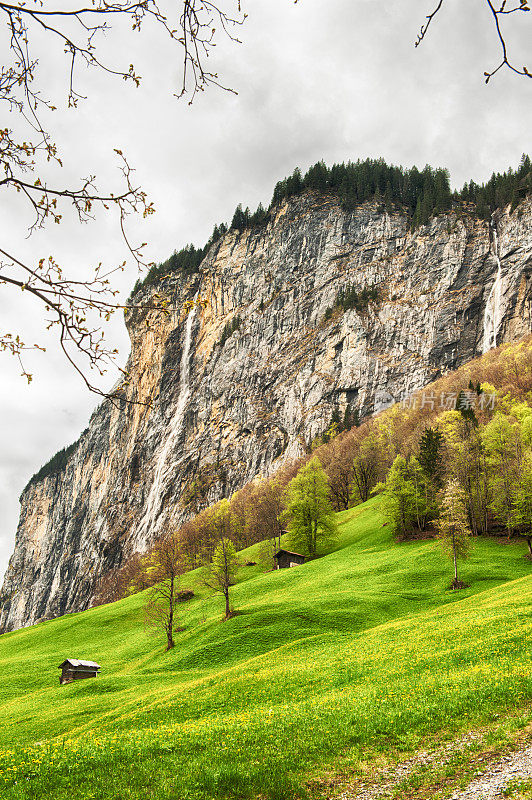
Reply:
x=227 y=411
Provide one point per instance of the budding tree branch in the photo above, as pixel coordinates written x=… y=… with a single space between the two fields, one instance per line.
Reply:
x=497 y=12
x=34 y=34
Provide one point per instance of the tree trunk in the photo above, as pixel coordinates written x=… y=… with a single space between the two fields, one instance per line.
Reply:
x=529 y=542
x=455 y=562
x=227 y=608
x=170 y=626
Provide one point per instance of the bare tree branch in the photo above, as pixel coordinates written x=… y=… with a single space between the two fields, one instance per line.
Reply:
x=425 y=26
x=77 y=31
x=523 y=6
x=69 y=304
x=496 y=13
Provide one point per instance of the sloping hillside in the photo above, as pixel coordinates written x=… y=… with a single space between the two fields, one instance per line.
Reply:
x=358 y=652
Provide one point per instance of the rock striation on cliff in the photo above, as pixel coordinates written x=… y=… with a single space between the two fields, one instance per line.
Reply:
x=231 y=411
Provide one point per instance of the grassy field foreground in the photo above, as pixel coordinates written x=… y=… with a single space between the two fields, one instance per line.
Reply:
x=364 y=650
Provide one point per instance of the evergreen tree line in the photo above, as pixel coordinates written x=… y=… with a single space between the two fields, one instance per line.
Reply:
x=338 y=424
x=56 y=464
x=243 y=219
x=500 y=190
x=421 y=194
x=186 y=261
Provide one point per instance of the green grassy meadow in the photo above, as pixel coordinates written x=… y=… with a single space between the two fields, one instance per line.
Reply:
x=364 y=650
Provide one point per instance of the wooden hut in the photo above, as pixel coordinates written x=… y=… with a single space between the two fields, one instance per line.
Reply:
x=75 y=670
x=285 y=558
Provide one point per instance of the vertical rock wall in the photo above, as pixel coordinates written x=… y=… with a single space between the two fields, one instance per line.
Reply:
x=235 y=411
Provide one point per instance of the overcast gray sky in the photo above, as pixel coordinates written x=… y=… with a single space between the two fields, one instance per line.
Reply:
x=337 y=80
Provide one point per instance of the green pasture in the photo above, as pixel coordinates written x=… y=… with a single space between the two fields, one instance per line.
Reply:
x=364 y=649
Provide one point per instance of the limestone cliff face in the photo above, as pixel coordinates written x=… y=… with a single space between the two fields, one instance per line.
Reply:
x=228 y=413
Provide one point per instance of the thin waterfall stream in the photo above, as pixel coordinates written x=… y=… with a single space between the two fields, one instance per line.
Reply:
x=163 y=463
x=493 y=311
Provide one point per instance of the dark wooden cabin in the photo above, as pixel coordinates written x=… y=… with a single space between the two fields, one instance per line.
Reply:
x=74 y=670
x=284 y=559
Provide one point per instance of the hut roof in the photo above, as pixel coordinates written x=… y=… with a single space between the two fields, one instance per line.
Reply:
x=75 y=662
x=288 y=553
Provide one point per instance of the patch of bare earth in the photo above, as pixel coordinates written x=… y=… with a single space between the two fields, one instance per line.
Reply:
x=493 y=773
x=492 y=783
x=385 y=782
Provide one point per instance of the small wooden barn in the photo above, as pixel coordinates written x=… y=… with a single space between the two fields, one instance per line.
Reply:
x=74 y=670
x=285 y=558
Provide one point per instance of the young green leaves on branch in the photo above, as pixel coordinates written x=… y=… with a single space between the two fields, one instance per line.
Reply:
x=164 y=567
x=220 y=569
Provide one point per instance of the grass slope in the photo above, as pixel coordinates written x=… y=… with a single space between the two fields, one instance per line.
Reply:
x=363 y=648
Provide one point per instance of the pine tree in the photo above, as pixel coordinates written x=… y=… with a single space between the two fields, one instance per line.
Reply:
x=417 y=216
x=430 y=453
x=453 y=527
x=335 y=425
x=240 y=218
x=317 y=177
x=465 y=407
x=259 y=217
x=351 y=419
x=279 y=192
x=427 y=207
x=388 y=198
x=442 y=190
x=294 y=184
x=308 y=509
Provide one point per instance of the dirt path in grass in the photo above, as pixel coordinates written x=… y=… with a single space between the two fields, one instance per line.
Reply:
x=491 y=777
x=491 y=783
x=384 y=783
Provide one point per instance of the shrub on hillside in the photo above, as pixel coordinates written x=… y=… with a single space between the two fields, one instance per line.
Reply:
x=230 y=328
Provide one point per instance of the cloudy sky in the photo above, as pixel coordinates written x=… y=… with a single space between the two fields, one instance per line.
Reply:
x=337 y=80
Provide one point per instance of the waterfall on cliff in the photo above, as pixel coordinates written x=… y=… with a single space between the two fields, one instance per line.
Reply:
x=163 y=465
x=493 y=311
